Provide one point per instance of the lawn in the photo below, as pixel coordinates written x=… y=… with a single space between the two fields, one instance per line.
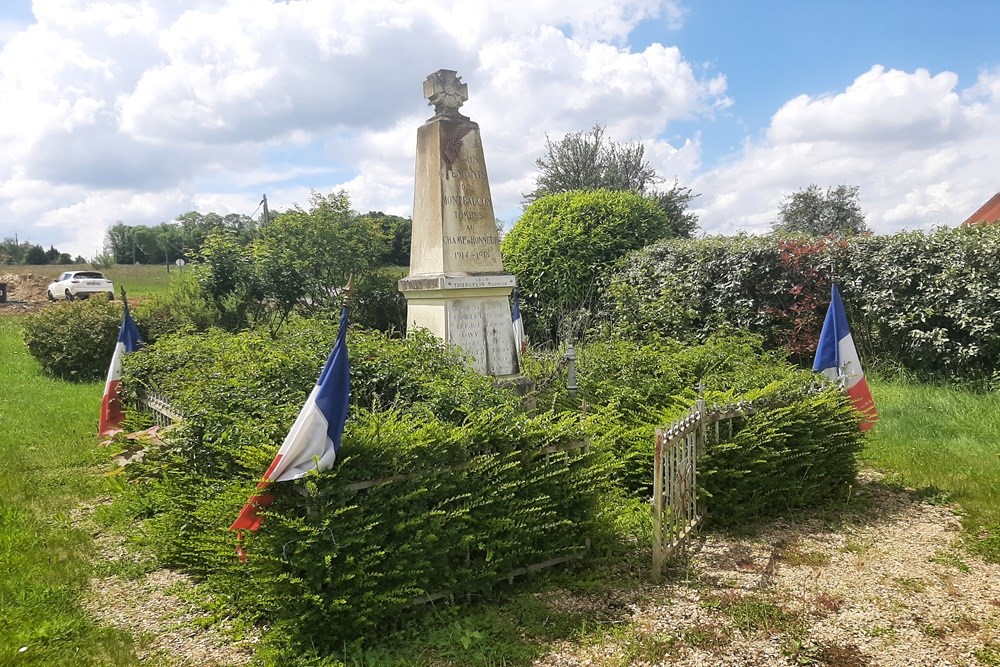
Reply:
x=47 y=436
x=941 y=439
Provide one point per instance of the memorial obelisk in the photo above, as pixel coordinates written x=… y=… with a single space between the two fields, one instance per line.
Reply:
x=457 y=288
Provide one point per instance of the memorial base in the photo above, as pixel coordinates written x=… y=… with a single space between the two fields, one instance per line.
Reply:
x=470 y=311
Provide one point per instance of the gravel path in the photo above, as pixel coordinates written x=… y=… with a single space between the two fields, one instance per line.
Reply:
x=892 y=587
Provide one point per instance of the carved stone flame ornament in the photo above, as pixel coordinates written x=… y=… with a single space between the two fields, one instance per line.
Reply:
x=446 y=92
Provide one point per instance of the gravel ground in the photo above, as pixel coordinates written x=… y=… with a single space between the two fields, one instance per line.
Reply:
x=889 y=586
x=892 y=587
x=156 y=609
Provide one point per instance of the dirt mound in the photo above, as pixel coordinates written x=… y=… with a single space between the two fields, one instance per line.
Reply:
x=29 y=288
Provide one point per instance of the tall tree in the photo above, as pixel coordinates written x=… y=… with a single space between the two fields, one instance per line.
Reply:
x=833 y=213
x=591 y=161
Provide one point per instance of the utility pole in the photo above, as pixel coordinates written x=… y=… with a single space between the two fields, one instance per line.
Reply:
x=267 y=215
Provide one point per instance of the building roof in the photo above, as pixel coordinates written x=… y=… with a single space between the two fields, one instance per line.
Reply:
x=987 y=213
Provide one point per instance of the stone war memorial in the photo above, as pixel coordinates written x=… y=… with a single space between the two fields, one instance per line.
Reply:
x=457 y=288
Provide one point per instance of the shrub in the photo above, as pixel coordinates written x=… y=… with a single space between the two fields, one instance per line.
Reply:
x=74 y=340
x=329 y=565
x=183 y=307
x=782 y=457
x=378 y=303
x=925 y=301
x=563 y=241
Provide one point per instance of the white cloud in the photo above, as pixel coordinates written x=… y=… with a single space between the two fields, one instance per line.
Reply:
x=919 y=148
x=138 y=110
x=141 y=110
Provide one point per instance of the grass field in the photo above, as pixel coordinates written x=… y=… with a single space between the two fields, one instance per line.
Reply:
x=941 y=439
x=138 y=280
x=47 y=438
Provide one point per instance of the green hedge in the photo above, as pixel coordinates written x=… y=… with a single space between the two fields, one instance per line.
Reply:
x=781 y=458
x=330 y=565
x=74 y=340
x=559 y=247
x=926 y=301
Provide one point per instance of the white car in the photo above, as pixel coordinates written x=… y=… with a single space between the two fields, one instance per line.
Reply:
x=80 y=285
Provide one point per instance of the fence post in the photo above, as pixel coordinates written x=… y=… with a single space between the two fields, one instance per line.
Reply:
x=701 y=446
x=658 y=506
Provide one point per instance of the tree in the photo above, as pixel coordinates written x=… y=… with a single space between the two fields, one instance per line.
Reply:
x=397 y=231
x=303 y=258
x=590 y=161
x=835 y=213
x=561 y=245
x=674 y=203
x=35 y=255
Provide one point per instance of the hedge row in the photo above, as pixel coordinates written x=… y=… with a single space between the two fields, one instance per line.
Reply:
x=329 y=564
x=927 y=301
x=798 y=453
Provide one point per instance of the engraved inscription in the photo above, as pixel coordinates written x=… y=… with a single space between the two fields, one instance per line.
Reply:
x=461 y=200
x=472 y=240
x=462 y=282
x=482 y=328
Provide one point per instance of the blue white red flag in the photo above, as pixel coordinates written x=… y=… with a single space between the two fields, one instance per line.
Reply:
x=837 y=359
x=129 y=340
x=314 y=439
x=519 y=340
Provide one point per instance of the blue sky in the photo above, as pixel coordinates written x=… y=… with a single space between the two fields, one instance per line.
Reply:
x=774 y=50
x=142 y=110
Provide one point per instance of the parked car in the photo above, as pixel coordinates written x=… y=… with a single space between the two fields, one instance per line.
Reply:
x=80 y=285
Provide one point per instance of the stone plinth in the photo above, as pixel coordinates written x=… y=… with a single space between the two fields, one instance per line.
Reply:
x=457 y=288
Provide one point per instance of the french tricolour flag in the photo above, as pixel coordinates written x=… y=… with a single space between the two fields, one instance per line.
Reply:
x=837 y=358
x=519 y=340
x=129 y=340
x=314 y=439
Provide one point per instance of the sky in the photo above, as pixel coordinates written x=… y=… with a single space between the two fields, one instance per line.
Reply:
x=143 y=110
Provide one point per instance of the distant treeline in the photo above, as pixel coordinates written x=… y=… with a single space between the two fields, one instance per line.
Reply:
x=184 y=237
x=13 y=251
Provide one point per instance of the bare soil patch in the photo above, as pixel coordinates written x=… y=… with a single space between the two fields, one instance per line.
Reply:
x=25 y=292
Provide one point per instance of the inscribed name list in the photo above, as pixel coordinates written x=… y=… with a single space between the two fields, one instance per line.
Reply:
x=482 y=328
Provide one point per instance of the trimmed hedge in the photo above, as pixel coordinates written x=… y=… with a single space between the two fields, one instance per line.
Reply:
x=330 y=565
x=74 y=340
x=780 y=458
x=929 y=302
x=558 y=248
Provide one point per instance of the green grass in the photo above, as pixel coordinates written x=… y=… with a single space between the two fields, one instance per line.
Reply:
x=47 y=440
x=944 y=441
x=139 y=280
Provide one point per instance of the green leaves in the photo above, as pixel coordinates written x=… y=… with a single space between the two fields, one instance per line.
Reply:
x=563 y=242
x=924 y=301
x=461 y=496
x=779 y=458
x=75 y=340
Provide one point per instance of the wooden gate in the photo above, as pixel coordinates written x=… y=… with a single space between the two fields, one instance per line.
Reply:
x=676 y=512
